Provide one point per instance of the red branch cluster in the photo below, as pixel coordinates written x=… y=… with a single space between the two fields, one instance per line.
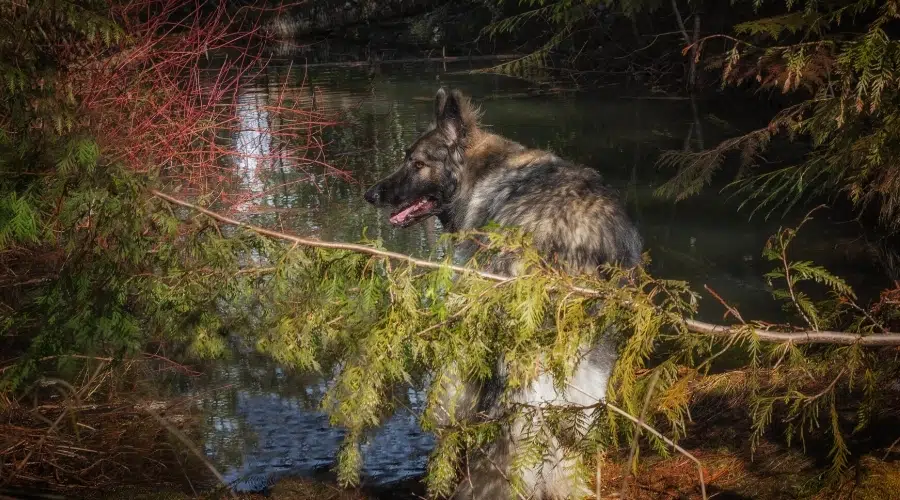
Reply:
x=181 y=92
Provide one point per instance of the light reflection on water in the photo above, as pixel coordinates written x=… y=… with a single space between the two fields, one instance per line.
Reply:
x=266 y=425
x=253 y=140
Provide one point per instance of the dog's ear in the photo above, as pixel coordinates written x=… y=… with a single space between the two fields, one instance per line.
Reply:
x=448 y=113
x=440 y=101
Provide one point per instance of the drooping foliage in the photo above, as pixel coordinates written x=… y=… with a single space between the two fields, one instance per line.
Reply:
x=845 y=87
x=836 y=63
x=381 y=327
x=588 y=40
x=376 y=327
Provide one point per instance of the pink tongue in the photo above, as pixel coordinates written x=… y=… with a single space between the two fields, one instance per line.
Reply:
x=421 y=205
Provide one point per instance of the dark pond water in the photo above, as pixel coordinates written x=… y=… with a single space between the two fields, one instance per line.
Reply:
x=260 y=417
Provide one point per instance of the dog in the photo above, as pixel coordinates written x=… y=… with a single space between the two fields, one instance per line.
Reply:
x=468 y=177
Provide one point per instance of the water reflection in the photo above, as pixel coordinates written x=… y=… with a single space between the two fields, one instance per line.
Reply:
x=265 y=423
x=253 y=140
x=261 y=423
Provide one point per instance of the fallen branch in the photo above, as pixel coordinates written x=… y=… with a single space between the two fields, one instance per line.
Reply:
x=640 y=422
x=798 y=337
x=668 y=441
x=353 y=247
x=193 y=448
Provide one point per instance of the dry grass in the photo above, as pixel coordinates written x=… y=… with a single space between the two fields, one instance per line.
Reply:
x=719 y=436
x=774 y=473
x=90 y=435
x=97 y=437
x=299 y=489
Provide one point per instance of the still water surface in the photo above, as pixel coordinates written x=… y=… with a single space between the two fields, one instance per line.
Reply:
x=260 y=418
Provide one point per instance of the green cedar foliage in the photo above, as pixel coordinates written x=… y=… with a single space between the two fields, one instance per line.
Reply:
x=378 y=327
x=838 y=60
x=375 y=328
x=841 y=63
x=565 y=19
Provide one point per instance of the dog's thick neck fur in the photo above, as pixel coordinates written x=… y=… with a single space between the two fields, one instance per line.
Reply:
x=482 y=151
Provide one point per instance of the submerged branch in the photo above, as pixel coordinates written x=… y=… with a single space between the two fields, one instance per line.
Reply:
x=798 y=337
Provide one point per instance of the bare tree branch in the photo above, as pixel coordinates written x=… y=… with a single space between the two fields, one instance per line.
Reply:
x=797 y=337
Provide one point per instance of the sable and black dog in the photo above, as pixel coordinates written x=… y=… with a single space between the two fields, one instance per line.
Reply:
x=467 y=177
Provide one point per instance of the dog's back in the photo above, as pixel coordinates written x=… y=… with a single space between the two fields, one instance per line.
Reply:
x=575 y=221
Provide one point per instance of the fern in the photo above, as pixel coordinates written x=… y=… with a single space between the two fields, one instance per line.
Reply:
x=775 y=27
x=19 y=221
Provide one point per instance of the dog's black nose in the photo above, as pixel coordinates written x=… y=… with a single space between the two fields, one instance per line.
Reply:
x=373 y=194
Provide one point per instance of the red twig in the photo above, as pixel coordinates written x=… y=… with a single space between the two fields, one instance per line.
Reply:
x=728 y=308
x=187 y=92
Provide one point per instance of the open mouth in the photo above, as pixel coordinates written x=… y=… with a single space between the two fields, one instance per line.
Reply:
x=413 y=212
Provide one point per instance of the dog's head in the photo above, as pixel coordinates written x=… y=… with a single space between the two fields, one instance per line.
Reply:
x=428 y=178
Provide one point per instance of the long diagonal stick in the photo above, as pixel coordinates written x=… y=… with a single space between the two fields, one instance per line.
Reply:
x=801 y=337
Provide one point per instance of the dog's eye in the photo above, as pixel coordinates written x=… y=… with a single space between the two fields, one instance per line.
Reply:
x=418 y=164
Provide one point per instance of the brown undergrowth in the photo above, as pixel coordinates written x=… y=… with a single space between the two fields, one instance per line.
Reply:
x=99 y=432
x=720 y=436
x=773 y=471
x=97 y=437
